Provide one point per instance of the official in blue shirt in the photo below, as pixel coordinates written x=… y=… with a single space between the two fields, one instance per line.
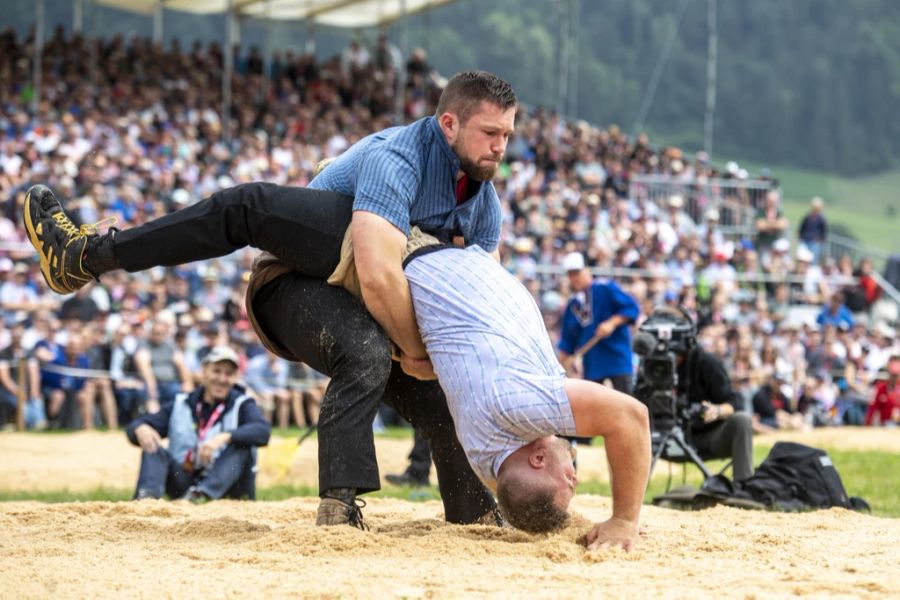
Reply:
x=599 y=313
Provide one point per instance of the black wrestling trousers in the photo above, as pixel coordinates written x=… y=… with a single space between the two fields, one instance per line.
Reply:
x=302 y=227
x=321 y=325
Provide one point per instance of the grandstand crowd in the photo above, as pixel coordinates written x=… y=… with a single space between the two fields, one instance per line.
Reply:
x=128 y=130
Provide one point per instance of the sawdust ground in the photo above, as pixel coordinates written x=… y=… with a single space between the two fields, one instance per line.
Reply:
x=230 y=549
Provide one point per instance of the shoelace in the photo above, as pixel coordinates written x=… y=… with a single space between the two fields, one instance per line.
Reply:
x=68 y=227
x=354 y=512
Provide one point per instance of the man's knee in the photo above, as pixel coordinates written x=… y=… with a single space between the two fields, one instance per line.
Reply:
x=364 y=354
x=741 y=424
x=243 y=194
x=158 y=455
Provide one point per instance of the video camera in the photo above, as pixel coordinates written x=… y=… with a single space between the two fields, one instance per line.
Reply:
x=667 y=334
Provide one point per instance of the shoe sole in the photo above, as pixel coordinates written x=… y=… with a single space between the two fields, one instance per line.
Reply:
x=36 y=242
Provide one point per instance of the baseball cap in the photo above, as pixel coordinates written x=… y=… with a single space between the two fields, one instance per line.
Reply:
x=574 y=261
x=221 y=354
x=781 y=245
x=804 y=254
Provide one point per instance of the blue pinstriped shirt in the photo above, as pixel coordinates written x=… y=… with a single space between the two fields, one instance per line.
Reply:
x=491 y=353
x=408 y=176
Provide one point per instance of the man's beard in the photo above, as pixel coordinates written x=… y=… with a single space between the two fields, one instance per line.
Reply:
x=473 y=169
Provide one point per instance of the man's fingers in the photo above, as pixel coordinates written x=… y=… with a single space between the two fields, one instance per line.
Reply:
x=626 y=545
x=149 y=443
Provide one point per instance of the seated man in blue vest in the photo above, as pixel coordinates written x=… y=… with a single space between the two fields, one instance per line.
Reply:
x=213 y=435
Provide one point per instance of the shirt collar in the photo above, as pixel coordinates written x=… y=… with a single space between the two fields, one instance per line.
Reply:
x=440 y=141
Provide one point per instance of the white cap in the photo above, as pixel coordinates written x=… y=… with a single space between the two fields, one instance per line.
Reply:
x=523 y=244
x=676 y=201
x=781 y=245
x=574 y=261
x=804 y=254
x=221 y=354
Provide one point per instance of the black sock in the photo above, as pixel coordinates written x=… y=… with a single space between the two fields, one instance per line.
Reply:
x=345 y=495
x=100 y=254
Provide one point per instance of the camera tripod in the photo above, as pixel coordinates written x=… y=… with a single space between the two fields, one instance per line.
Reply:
x=672 y=446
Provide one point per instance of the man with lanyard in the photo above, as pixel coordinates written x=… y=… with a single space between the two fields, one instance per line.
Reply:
x=213 y=435
x=392 y=180
x=597 y=319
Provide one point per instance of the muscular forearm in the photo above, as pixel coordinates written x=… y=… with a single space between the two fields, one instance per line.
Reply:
x=625 y=427
x=628 y=451
x=378 y=251
x=390 y=304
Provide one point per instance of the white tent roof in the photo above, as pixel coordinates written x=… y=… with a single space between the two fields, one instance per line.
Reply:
x=337 y=13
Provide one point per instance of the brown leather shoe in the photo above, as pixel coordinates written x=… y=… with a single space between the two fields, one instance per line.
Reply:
x=333 y=511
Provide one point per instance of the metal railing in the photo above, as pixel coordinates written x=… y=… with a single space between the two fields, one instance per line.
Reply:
x=735 y=200
x=836 y=246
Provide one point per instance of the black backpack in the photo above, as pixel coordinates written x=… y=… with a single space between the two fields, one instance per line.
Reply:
x=797 y=477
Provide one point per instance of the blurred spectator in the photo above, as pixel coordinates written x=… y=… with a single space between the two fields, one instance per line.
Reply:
x=99 y=389
x=771 y=223
x=17 y=295
x=387 y=55
x=267 y=378
x=885 y=404
x=64 y=381
x=812 y=290
x=162 y=367
x=773 y=407
x=307 y=387
x=13 y=358
x=813 y=229
x=835 y=313
x=129 y=389
x=866 y=291
x=80 y=306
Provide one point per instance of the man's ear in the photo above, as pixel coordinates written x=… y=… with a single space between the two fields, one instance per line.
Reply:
x=449 y=125
x=538 y=458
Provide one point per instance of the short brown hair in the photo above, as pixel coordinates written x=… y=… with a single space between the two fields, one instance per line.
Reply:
x=529 y=508
x=466 y=90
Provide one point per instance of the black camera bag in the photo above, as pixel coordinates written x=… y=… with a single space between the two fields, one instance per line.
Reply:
x=798 y=477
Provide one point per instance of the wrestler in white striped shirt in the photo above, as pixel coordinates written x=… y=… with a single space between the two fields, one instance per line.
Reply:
x=509 y=396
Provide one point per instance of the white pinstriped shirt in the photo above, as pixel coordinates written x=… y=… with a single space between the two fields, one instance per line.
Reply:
x=491 y=353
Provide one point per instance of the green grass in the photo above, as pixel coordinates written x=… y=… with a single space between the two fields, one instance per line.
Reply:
x=872 y=475
x=101 y=494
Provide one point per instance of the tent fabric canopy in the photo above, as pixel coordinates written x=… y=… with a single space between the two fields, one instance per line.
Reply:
x=336 y=13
